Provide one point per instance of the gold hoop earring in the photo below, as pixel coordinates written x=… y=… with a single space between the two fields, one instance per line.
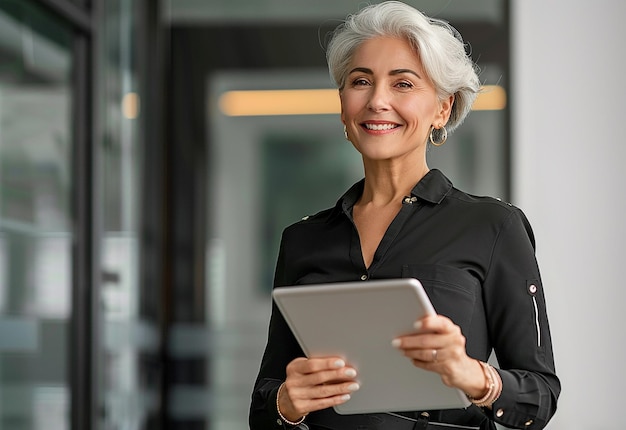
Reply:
x=444 y=135
x=345 y=133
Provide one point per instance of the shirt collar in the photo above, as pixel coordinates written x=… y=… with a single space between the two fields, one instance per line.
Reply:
x=432 y=188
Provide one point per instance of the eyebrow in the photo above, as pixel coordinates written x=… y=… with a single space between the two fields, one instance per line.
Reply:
x=392 y=72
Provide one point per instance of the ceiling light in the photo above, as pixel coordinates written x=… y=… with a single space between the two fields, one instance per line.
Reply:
x=319 y=101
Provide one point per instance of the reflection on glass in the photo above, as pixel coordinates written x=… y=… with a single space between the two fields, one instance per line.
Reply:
x=35 y=219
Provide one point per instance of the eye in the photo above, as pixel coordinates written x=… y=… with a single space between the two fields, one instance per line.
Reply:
x=359 y=82
x=404 y=85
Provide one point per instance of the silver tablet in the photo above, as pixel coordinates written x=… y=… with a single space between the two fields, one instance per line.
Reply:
x=357 y=321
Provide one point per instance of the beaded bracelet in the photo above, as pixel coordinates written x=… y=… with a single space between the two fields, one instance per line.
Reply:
x=282 y=417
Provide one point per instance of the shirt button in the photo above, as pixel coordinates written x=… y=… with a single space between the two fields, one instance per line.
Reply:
x=499 y=413
x=532 y=289
x=527 y=423
x=363 y=277
x=279 y=422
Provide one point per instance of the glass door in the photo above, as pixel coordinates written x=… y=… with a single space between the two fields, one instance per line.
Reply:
x=130 y=337
x=35 y=217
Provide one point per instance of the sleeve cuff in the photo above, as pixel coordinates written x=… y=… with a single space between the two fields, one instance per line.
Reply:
x=279 y=424
x=504 y=410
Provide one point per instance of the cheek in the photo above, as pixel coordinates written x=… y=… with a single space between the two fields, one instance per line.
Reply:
x=420 y=113
x=348 y=113
x=352 y=104
x=345 y=110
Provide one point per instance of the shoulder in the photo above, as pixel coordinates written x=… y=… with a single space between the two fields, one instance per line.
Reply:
x=486 y=205
x=486 y=210
x=308 y=222
x=493 y=213
x=320 y=217
x=436 y=189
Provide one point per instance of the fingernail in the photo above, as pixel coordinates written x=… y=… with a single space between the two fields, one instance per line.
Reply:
x=351 y=373
x=417 y=325
x=396 y=343
x=339 y=363
x=354 y=386
x=345 y=397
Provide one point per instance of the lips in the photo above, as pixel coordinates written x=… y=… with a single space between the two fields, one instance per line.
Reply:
x=380 y=126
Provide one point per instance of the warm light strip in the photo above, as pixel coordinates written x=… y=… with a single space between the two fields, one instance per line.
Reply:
x=280 y=102
x=491 y=97
x=319 y=101
x=130 y=105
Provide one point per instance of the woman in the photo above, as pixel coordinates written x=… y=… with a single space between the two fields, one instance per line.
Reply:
x=405 y=80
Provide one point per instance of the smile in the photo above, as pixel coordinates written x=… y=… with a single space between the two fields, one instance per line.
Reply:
x=380 y=127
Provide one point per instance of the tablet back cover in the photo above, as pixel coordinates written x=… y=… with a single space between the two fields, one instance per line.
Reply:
x=358 y=321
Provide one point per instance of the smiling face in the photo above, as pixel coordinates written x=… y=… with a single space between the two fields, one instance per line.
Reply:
x=388 y=104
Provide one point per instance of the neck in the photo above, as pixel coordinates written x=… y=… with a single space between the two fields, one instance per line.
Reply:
x=388 y=183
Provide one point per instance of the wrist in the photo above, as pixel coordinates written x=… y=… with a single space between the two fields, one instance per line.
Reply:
x=284 y=418
x=492 y=387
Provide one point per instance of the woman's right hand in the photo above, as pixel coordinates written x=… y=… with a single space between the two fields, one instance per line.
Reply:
x=313 y=384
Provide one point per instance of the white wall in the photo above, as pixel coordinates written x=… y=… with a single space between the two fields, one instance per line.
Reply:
x=569 y=152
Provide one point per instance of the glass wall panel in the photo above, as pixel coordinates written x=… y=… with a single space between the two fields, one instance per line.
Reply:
x=128 y=338
x=35 y=220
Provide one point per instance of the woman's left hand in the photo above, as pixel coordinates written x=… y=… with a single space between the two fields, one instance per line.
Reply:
x=439 y=346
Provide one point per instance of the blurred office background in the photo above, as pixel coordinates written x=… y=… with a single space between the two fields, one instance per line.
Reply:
x=141 y=202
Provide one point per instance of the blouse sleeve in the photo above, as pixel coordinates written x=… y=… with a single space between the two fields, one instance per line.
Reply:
x=518 y=326
x=281 y=349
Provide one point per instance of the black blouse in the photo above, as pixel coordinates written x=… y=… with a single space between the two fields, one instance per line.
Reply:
x=475 y=258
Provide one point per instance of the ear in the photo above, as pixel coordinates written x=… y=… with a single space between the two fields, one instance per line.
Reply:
x=343 y=120
x=445 y=109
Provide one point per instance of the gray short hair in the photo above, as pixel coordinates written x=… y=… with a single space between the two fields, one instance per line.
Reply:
x=438 y=44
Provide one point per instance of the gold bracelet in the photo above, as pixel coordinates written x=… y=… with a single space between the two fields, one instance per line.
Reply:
x=498 y=382
x=282 y=417
x=494 y=386
x=490 y=386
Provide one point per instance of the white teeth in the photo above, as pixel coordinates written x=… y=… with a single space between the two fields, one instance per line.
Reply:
x=380 y=126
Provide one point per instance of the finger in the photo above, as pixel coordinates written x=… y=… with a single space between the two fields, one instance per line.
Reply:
x=437 y=335
x=312 y=398
x=329 y=377
x=312 y=392
x=425 y=348
x=318 y=371
x=427 y=355
x=422 y=341
x=334 y=390
x=305 y=406
x=312 y=365
x=434 y=324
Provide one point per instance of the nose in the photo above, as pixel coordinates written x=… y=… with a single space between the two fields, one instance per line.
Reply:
x=378 y=99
